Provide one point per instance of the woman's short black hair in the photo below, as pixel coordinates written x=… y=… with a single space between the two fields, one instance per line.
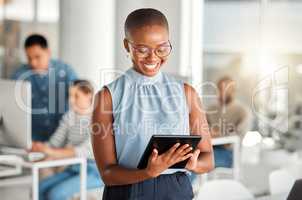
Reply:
x=145 y=17
x=36 y=39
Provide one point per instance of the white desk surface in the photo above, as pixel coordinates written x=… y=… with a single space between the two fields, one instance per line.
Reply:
x=52 y=163
x=25 y=179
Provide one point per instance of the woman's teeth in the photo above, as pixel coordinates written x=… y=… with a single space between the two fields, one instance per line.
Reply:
x=149 y=66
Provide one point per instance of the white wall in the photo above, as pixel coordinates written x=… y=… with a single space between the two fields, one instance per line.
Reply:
x=123 y=8
x=236 y=26
x=87 y=37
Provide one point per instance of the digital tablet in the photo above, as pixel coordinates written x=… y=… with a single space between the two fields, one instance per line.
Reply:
x=163 y=143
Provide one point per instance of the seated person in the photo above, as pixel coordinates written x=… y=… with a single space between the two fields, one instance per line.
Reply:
x=228 y=117
x=72 y=138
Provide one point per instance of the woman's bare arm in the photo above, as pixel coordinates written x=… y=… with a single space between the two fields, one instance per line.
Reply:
x=104 y=145
x=199 y=126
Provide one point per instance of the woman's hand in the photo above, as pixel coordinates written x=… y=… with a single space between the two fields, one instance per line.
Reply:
x=193 y=161
x=159 y=163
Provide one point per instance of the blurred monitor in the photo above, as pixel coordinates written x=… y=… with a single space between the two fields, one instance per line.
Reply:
x=15 y=114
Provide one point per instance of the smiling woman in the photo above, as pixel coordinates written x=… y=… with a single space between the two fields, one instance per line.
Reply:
x=134 y=107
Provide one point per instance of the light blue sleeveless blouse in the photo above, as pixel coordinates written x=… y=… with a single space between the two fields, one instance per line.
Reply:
x=144 y=106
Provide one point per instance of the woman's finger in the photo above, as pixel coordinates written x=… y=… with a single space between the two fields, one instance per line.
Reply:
x=180 y=152
x=171 y=151
x=196 y=154
x=154 y=155
x=187 y=150
x=181 y=149
x=193 y=160
x=189 y=155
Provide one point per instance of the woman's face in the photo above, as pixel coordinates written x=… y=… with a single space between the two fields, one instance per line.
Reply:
x=146 y=46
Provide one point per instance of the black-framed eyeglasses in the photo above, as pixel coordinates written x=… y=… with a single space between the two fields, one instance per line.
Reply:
x=143 y=51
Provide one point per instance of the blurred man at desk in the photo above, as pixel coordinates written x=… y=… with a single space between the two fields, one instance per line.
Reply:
x=50 y=81
x=227 y=117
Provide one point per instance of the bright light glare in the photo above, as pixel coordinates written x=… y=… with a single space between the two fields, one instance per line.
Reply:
x=261 y=62
x=299 y=69
x=268 y=142
x=251 y=138
x=267 y=63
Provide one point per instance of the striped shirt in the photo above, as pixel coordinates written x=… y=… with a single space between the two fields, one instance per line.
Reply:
x=73 y=130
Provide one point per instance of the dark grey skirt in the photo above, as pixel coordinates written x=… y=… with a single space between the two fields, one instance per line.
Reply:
x=175 y=186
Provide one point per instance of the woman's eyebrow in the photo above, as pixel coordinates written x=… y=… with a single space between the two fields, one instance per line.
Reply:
x=164 y=43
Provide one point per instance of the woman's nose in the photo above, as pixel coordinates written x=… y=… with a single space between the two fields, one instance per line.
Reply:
x=152 y=56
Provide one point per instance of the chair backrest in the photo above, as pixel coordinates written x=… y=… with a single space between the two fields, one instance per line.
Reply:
x=235 y=143
x=224 y=189
x=281 y=181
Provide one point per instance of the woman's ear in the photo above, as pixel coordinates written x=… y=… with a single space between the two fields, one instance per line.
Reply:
x=126 y=45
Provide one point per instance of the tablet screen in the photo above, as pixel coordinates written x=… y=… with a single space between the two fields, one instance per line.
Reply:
x=163 y=143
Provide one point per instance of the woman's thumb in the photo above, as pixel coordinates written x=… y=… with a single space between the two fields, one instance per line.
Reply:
x=154 y=154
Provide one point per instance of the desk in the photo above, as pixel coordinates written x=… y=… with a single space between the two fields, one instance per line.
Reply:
x=36 y=166
x=14 y=162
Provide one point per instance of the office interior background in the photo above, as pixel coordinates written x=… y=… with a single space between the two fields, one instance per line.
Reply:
x=256 y=42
